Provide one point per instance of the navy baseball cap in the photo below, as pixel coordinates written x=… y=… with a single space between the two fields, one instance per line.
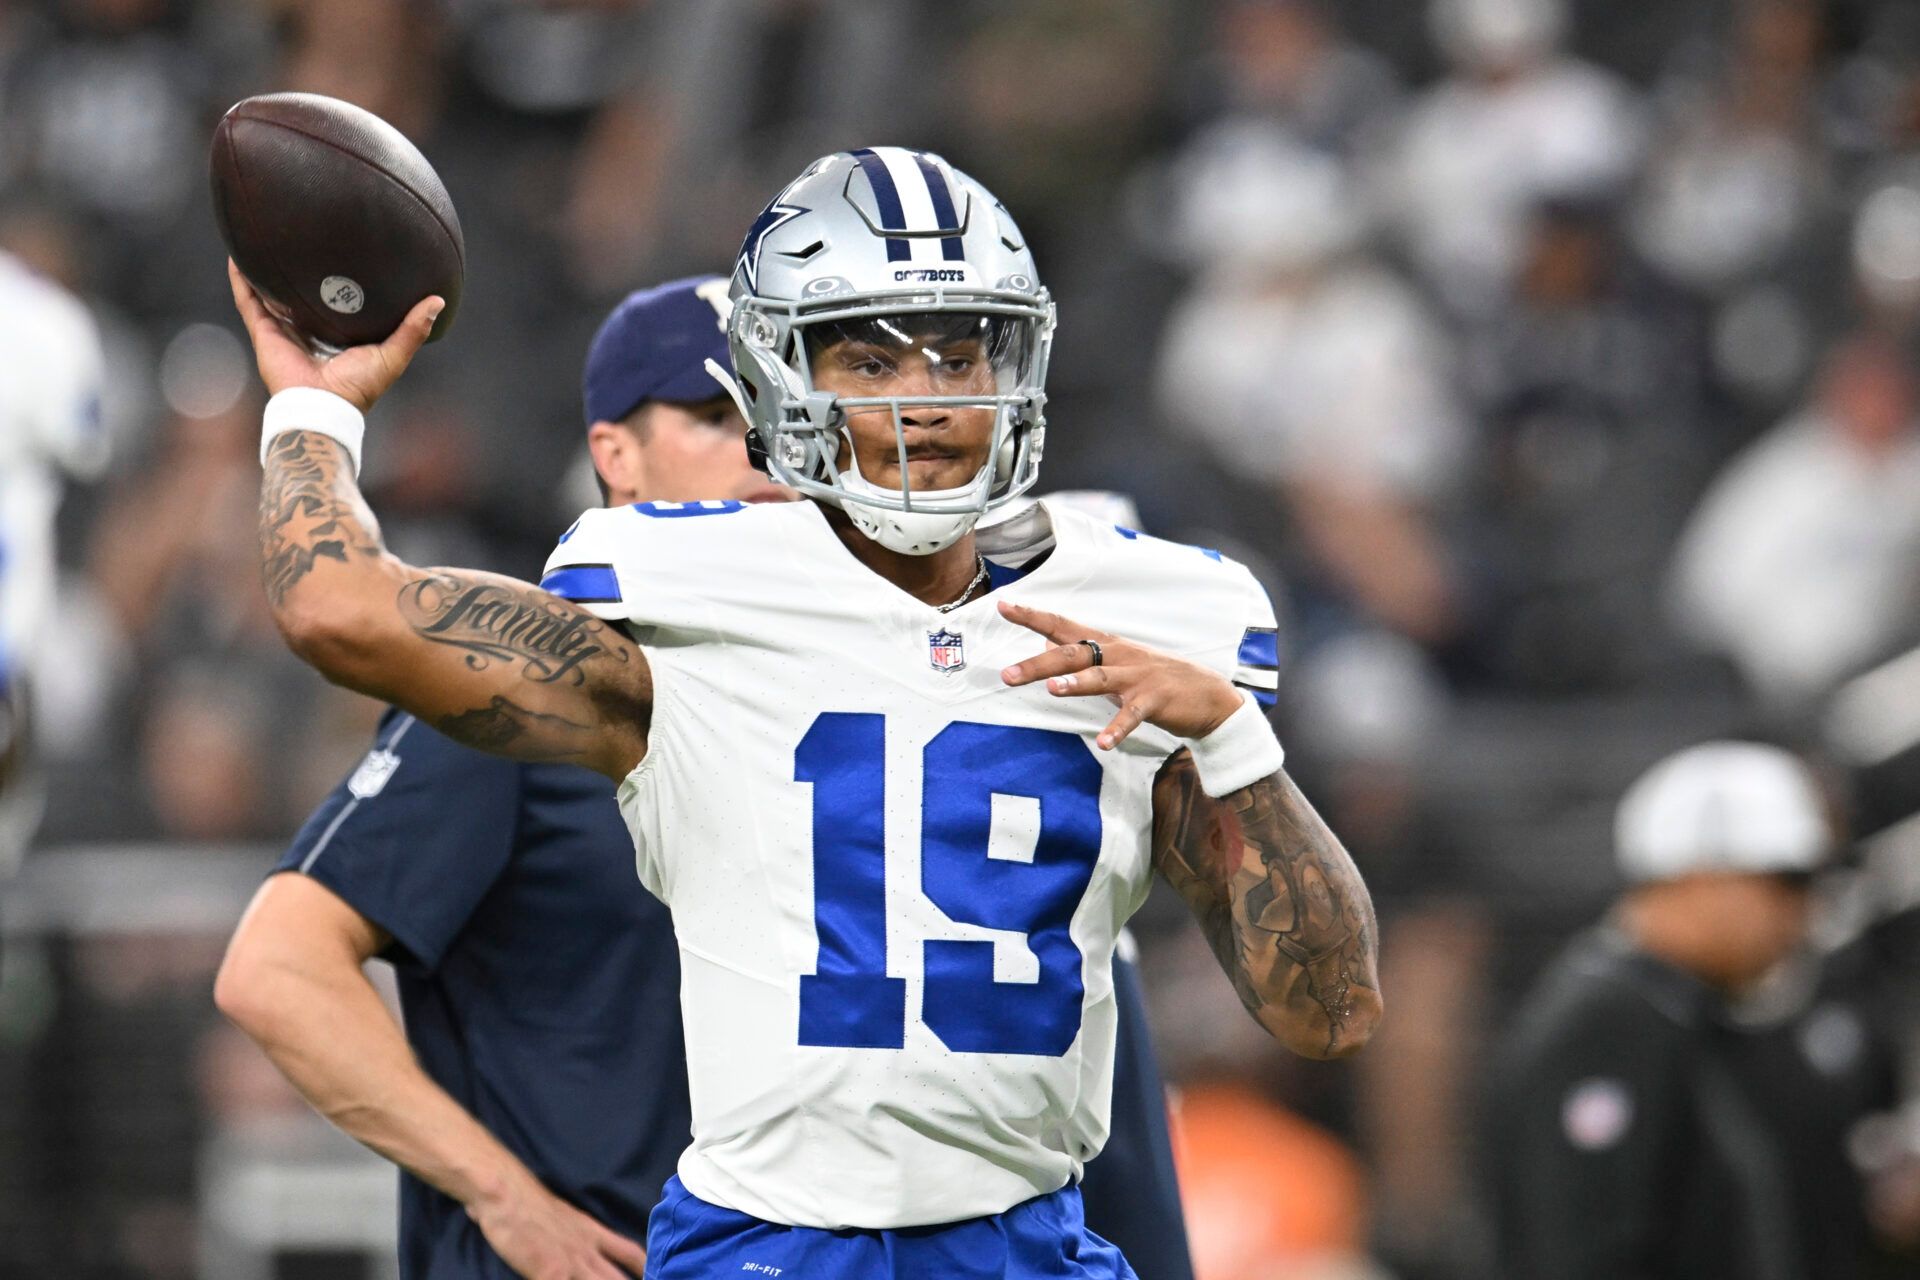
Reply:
x=655 y=346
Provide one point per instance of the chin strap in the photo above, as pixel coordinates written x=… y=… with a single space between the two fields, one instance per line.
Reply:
x=912 y=533
x=818 y=406
x=756 y=452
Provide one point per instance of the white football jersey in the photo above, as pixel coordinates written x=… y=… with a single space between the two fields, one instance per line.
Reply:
x=50 y=370
x=896 y=882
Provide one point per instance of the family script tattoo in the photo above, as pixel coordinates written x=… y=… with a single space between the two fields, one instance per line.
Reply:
x=537 y=678
x=1280 y=902
x=494 y=623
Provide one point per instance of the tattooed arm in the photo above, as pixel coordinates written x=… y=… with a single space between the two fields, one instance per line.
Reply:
x=1279 y=900
x=491 y=661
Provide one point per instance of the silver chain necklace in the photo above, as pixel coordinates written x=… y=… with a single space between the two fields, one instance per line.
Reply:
x=972 y=587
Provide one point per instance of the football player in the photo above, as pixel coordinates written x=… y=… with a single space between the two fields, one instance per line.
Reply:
x=50 y=376
x=541 y=1066
x=867 y=758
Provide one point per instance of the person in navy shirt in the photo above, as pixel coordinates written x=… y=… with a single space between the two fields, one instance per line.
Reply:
x=537 y=1100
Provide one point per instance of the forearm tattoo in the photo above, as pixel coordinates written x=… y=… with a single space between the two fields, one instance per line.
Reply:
x=1278 y=898
x=558 y=679
x=496 y=623
x=305 y=517
x=506 y=727
x=548 y=642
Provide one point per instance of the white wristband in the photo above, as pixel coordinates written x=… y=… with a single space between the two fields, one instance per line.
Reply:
x=1240 y=752
x=311 y=409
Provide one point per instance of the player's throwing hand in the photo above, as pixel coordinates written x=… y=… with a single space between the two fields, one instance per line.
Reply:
x=1184 y=698
x=360 y=375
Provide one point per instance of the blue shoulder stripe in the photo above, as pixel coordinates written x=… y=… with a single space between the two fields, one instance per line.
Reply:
x=584 y=584
x=681 y=510
x=1260 y=647
x=1132 y=535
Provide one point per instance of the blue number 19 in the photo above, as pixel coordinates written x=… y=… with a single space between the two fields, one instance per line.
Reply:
x=850 y=1001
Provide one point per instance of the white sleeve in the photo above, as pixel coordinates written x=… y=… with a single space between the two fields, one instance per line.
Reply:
x=62 y=384
x=1257 y=666
x=589 y=566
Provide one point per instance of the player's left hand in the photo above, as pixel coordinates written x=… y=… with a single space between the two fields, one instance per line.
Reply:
x=1181 y=697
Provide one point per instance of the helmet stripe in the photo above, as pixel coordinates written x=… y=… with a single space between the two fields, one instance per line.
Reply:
x=916 y=202
x=886 y=197
x=950 y=246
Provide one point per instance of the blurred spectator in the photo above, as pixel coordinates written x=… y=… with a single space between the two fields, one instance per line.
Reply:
x=552 y=59
x=1303 y=364
x=1886 y=249
x=1736 y=174
x=1516 y=121
x=106 y=112
x=1634 y=1126
x=1799 y=562
x=1057 y=104
x=378 y=54
x=205 y=748
x=1286 y=62
x=175 y=554
x=715 y=94
x=1587 y=387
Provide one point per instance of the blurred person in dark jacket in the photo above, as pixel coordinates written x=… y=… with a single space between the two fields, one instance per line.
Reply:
x=1637 y=1127
x=1587 y=390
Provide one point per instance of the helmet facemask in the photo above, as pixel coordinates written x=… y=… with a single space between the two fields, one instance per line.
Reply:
x=809 y=444
x=884 y=246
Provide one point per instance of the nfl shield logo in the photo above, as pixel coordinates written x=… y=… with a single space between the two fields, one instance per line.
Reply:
x=946 y=650
x=370 y=779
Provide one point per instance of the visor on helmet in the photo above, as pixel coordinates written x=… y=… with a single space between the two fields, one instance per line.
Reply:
x=959 y=346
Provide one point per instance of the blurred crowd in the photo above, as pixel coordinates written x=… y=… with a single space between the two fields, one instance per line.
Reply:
x=1554 y=361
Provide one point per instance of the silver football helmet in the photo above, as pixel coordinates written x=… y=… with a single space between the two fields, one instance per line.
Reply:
x=888 y=241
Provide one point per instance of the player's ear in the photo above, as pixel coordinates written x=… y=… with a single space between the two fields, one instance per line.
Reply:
x=618 y=457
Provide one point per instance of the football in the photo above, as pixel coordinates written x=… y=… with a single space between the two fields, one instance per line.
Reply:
x=337 y=220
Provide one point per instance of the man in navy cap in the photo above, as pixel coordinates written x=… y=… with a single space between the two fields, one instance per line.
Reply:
x=660 y=428
x=537 y=1100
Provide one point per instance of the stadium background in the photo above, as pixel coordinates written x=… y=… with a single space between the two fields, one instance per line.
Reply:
x=1452 y=325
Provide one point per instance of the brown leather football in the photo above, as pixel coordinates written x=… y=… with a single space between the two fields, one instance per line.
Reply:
x=334 y=217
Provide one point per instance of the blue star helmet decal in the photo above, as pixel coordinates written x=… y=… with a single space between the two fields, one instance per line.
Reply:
x=771 y=219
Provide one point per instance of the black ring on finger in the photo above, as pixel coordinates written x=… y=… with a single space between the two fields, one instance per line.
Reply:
x=1094 y=647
